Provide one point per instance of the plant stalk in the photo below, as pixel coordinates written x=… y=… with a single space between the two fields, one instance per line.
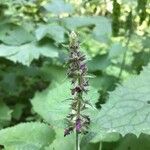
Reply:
x=78 y=115
x=124 y=57
x=100 y=145
x=77 y=141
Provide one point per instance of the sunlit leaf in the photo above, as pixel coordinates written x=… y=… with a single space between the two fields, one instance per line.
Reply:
x=14 y=35
x=58 y=6
x=99 y=62
x=68 y=142
x=102 y=26
x=54 y=104
x=115 y=50
x=61 y=142
x=52 y=31
x=127 y=110
x=27 y=136
x=26 y=53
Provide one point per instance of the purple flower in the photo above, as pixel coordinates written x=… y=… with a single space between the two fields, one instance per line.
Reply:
x=77 y=89
x=78 y=125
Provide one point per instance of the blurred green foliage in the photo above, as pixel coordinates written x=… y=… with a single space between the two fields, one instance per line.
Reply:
x=114 y=35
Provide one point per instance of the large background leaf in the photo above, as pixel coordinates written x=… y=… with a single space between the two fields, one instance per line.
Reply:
x=14 y=35
x=26 y=53
x=58 y=6
x=127 y=110
x=68 y=142
x=101 y=25
x=53 y=105
x=52 y=31
x=17 y=137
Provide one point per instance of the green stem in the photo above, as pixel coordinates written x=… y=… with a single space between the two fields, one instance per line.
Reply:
x=122 y=64
x=124 y=57
x=78 y=114
x=77 y=134
x=77 y=141
x=100 y=145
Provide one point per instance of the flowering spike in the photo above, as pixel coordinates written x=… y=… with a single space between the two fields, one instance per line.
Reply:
x=77 y=72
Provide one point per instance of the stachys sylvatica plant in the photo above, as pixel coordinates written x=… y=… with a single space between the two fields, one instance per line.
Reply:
x=77 y=73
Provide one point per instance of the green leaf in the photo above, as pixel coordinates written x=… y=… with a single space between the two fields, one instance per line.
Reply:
x=26 y=53
x=103 y=82
x=97 y=134
x=22 y=147
x=102 y=26
x=5 y=114
x=17 y=111
x=61 y=142
x=130 y=141
x=53 y=31
x=68 y=142
x=58 y=7
x=146 y=42
x=14 y=35
x=99 y=62
x=102 y=31
x=54 y=73
x=90 y=146
x=116 y=50
x=54 y=105
x=73 y=23
x=127 y=110
x=140 y=59
x=27 y=136
x=51 y=105
x=10 y=81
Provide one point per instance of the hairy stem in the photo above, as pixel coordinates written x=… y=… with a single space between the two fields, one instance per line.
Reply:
x=77 y=70
x=78 y=115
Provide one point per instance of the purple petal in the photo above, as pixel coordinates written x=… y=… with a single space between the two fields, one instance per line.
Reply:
x=78 y=125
